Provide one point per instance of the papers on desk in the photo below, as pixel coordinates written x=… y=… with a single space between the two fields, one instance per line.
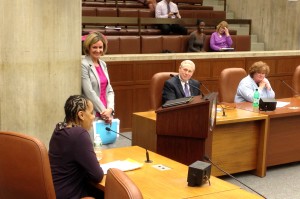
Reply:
x=281 y=104
x=124 y=165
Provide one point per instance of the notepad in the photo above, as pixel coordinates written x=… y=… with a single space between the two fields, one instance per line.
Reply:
x=123 y=165
x=227 y=49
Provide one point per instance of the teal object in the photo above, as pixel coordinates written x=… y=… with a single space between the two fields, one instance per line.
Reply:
x=107 y=137
x=256 y=98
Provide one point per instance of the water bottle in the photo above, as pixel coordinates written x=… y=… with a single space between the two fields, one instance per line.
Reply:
x=98 y=147
x=256 y=99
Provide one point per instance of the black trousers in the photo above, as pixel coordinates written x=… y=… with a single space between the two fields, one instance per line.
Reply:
x=166 y=29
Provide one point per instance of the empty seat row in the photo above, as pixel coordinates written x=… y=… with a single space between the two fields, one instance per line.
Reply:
x=160 y=43
x=133 y=12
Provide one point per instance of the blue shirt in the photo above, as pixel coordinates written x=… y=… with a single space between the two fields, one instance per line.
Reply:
x=246 y=89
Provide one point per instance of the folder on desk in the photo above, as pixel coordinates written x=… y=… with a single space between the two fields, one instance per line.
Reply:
x=107 y=137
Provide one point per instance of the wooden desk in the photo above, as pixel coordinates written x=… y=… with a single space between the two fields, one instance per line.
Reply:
x=166 y=184
x=283 y=137
x=238 y=141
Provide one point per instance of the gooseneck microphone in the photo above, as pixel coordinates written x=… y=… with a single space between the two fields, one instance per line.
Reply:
x=209 y=160
x=109 y=129
x=291 y=88
x=223 y=110
x=147 y=154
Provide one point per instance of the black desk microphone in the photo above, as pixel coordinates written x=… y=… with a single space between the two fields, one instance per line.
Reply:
x=147 y=154
x=209 y=160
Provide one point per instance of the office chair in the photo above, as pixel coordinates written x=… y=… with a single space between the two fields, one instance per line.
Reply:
x=24 y=168
x=156 y=87
x=296 y=81
x=119 y=185
x=228 y=83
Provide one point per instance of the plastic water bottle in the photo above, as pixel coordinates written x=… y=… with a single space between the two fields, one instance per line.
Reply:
x=256 y=99
x=98 y=147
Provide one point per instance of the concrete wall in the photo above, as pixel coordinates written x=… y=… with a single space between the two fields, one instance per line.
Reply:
x=40 y=53
x=274 y=21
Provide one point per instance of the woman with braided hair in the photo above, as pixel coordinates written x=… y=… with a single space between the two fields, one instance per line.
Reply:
x=72 y=158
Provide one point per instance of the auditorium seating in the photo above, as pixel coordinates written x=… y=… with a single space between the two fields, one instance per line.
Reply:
x=191 y=16
x=168 y=43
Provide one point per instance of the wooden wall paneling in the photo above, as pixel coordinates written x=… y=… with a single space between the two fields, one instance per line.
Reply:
x=203 y=69
x=120 y=73
x=124 y=106
x=287 y=65
x=212 y=86
x=271 y=61
x=141 y=98
x=280 y=89
x=220 y=64
x=144 y=70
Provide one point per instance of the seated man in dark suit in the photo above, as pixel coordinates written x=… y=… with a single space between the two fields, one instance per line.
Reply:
x=181 y=85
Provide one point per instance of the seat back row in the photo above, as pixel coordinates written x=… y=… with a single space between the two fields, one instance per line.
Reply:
x=169 y=43
x=131 y=12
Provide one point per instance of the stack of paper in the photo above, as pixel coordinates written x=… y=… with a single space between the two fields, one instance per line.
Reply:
x=124 y=165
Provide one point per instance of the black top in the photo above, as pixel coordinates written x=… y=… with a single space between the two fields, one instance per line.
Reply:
x=73 y=162
x=173 y=89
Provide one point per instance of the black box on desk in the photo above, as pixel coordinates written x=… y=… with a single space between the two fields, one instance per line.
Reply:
x=198 y=173
x=267 y=104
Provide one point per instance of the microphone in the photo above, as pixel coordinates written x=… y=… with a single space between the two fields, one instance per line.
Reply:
x=147 y=154
x=223 y=110
x=147 y=157
x=291 y=88
x=205 y=87
x=209 y=160
x=109 y=129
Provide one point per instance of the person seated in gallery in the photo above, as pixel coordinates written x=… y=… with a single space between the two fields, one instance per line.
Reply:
x=181 y=85
x=255 y=80
x=168 y=9
x=197 y=38
x=221 y=40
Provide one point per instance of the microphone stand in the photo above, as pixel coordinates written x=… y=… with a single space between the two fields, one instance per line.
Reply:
x=223 y=110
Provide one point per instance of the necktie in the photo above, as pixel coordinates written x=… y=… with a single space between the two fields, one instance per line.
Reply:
x=186 y=90
x=168 y=8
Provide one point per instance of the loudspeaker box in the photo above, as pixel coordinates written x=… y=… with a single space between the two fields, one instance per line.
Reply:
x=198 y=173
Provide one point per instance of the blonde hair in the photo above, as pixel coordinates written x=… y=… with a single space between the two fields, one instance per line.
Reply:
x=222 y=24
x=93 y=38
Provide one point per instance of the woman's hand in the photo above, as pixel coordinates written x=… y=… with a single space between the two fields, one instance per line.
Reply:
x=106 y=115
x=226 y=31
x=264 y=84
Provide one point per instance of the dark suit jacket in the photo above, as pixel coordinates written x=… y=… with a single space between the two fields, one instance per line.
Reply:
x=173 y=89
